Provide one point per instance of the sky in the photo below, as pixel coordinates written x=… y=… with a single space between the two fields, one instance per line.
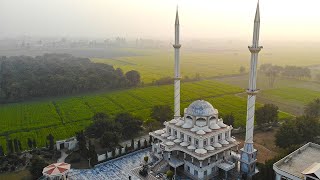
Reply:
x=223 y=19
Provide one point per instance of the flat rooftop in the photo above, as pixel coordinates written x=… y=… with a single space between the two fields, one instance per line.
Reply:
x=299 y=160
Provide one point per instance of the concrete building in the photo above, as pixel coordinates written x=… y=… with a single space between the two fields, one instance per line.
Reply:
x=69 y=144
x=302 y=164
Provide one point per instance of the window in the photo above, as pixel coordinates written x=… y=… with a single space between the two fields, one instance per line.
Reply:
x=204 y=142
x=196 y=142
x=219 y=137
x=205 y=173
x=188 y=168
x=182 y=136
x=189 y=139
x=212 y=140
x=195 y=172
x=227 y=134
x=169 y=130
x=175 y=133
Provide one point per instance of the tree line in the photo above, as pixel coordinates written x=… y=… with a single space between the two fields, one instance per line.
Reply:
x=274 y=71
x=23 y=77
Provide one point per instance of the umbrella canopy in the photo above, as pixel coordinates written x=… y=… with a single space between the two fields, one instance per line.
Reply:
x=191 y=147
x=206 y=129
x=169 y=143
x=57 y=169
x=201 y=132
x=159 y=132
x=171 y=138
x=221 y=124
x=165 y=135
x=201 y=151
x=177 y=141
x=209 y=148
x=187 y=125
x=184 y=144
x=231 y=140
x=217 y=145
x=224 y=142
x=180 y=123
x=194 y=129
x=173 y=121
x=214 y=126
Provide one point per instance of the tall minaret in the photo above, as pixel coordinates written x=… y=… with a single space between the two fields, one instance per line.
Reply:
x=177 y=68
x=248 y=153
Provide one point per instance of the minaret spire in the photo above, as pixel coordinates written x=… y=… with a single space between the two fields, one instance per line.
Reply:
x=248 y=153
x=177 y=67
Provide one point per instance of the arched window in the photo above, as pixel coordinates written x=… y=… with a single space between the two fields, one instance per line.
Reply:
x=201 y=122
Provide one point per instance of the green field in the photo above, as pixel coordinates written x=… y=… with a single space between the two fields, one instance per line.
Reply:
x=290 y=95
x=62 y=117
x=157 y=63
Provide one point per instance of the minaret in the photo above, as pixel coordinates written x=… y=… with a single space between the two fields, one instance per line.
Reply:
x=248 y=153
x=177 y=68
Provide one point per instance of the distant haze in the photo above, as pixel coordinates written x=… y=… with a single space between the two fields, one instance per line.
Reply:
x=280 y=19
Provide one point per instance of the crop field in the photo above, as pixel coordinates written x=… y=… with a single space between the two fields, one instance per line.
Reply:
x=154 y=64
x=62 y=117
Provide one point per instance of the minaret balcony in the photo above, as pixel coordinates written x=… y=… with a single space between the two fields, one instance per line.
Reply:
x=252 y=91
x=253 y=49
x=177 y=46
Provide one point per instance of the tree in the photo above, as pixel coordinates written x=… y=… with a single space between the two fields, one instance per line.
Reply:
x=109 y=139
x=139 y=144
x=146 y=159
x=92 y=154
x=34 y=143
x=298 y=131
x=266 y=114
x=20 y=146
x=10 y=146
x=133 y=77
x=170 y=174
x=29 y=143
x=132 y=144
x=1 y=151
x=145 y=143
x=50 y=138
x=229 y=119
x=126 y=149
x=16 y=145
x=313 y=108
x=151 y=124
x=161 y=113
x=82 y=143
x=150 y=139
x=242 y=69
x=37 y=165
x=131 y=125
x=100 y=116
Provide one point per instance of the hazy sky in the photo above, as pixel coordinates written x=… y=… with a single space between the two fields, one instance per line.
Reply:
x=280 y=19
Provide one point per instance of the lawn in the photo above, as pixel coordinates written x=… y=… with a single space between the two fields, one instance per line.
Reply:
x=62 y=117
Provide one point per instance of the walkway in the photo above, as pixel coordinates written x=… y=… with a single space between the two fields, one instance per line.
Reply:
x=63 y=156
x=118 y=169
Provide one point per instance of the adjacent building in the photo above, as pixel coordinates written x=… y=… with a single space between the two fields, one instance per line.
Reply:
x=302 y=164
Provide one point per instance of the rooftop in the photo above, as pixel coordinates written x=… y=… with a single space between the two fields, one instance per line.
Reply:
x=299 y=160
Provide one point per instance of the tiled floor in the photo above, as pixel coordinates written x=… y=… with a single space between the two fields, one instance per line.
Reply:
x=119 y=169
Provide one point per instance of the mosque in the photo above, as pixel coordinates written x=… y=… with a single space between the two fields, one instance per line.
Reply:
x=200 y=145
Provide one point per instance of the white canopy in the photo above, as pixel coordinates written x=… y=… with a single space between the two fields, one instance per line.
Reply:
x=231 y=139
x=206 y=129
x=165 y=135
x=201 y=151
x=201 y=132
x=169 y=143
x=177 y=141
x=159 y=132
x=209 y=148
x=184 y=144
x=194 y=129
x=180 y=123
x=221 y=124
x=171 y=137
x=191 y=147
x=214 y=126
x=187 y=125
x=173 y=121
x=217 y=145
x=224 y=142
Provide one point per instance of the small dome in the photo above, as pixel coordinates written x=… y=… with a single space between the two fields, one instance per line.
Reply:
x=201 y=108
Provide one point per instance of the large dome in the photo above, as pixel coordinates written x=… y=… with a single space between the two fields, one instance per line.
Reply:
x=201 y=108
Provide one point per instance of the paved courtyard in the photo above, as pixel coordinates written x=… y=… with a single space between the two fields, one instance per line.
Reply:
x=119 y=169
